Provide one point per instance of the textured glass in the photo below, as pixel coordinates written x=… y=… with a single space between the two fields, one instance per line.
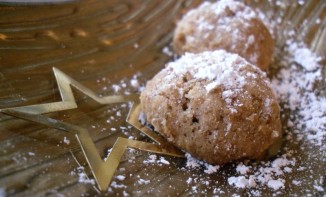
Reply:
x=99 y=43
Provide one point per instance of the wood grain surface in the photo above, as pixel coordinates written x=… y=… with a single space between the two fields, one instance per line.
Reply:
x=101 y=43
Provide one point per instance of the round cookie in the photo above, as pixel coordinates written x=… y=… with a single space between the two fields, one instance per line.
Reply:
x=214 y=105
x=227 y=25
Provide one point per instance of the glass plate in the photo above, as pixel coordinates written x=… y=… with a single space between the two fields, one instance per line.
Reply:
x=104 y=45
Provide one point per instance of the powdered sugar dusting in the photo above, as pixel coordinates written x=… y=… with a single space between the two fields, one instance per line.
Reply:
x=265 y=174
x=153 y=159
x=237 y=7
x=242 y=182
x=276 y=184
x=212 y=20
x=304 y=56
x=295 y=87
x=2 y=192
x=193 y=163
x=83 y=178
x=218 y=67
x=242 y=169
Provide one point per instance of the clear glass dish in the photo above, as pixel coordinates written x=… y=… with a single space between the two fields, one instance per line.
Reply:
x=104 y=45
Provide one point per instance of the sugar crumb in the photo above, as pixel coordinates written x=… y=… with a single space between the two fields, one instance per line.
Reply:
x=276 y=184
x=2 y=192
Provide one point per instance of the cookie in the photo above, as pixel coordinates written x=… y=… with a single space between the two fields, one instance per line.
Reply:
x=227 y=25
x=214 y=105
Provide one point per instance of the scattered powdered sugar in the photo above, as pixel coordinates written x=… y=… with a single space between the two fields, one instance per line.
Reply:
x=66 y=140
x=120 y=177
x=153 y=159
x=296 y=182
x=195 y=163
x=83 y=178
x=163 y=161
x=265 y=174
x=295 y=86
x=304 y=56
x=143 y=182
x=220 y=7
x=2 y=192
x=118 y=185
x=124 y=86
x=242 y=182
x=319 y=188
x=276 y=184
x=242 y=169
x=166 y=50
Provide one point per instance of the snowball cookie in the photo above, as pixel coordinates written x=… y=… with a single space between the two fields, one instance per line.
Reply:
x=227 y=25
x=214 y=105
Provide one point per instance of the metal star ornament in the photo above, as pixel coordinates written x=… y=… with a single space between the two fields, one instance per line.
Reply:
x=102 y=171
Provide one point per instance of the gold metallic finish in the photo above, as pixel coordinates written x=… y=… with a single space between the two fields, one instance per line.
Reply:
x=102 y=171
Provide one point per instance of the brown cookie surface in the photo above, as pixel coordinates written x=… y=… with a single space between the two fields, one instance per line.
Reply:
x=214 y=105
x=227 y=25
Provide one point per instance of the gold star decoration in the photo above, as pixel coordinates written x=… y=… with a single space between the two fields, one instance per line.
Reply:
x=102 y=171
